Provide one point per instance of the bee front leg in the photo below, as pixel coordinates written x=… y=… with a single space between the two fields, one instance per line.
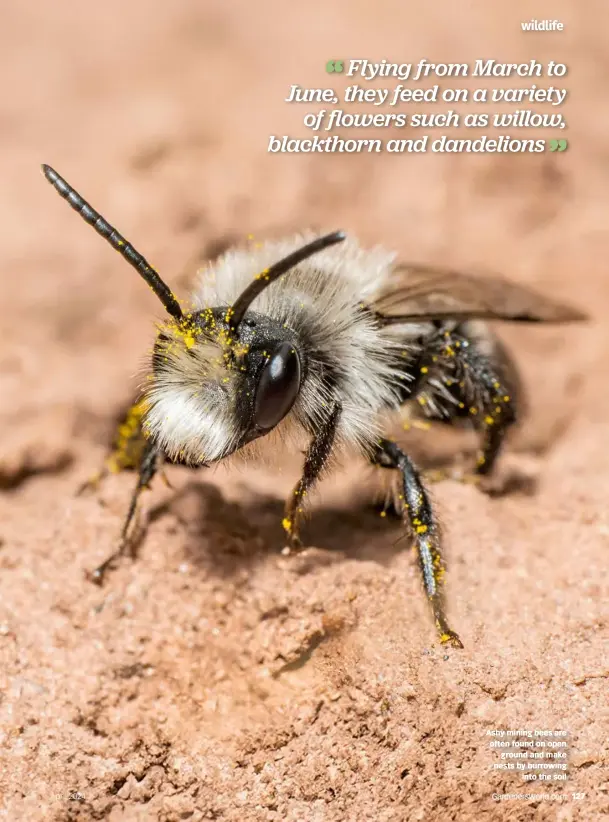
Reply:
x=419 y=517
x=315 y=460
x=127 y=448
x=149 y=463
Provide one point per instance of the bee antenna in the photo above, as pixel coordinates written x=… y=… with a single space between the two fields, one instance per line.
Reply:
x=236 y=313
x=116 y=240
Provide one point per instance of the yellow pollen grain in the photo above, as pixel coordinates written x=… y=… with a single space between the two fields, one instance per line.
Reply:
x=421 y=529
x=287 y=525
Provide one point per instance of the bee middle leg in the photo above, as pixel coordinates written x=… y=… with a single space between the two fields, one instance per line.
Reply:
x=418 y=515
x=148 y=465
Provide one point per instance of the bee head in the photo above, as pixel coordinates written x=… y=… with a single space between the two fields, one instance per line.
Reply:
x=215 y=388
x=225 y=376
x=222 y=377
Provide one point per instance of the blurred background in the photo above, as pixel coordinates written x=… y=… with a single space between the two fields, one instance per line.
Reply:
x=160 y=115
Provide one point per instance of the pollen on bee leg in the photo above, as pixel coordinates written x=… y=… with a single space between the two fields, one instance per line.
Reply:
x=113 y=465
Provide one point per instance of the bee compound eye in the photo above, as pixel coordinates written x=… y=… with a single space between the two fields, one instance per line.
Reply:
x=278 y=387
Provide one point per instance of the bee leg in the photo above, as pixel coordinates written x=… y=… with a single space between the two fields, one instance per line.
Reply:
x=466 y=382
x=148 y=466
x=419 y=517
x=92 y=483
x=127 y=451
x=493 y=435
x=315 y=459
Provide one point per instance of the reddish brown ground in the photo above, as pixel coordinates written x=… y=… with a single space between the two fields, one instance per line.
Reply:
x=162 y=695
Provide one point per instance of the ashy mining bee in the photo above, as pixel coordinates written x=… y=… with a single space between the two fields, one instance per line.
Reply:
x=316 y=340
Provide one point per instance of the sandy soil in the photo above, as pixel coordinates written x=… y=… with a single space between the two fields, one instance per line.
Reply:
x=215 y=678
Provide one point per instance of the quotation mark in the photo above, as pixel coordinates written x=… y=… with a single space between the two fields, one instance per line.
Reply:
x=558 y=145
x=334 y=66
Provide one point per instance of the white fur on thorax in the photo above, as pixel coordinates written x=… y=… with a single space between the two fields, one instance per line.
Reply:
x=192 y=404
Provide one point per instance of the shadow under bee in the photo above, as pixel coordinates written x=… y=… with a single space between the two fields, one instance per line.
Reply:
x=223 y=536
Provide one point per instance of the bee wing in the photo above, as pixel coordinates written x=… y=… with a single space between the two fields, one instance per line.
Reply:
x=419 y=292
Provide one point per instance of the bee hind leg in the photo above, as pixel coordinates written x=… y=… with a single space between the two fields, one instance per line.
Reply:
x=418 y=516
x=471 y=377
